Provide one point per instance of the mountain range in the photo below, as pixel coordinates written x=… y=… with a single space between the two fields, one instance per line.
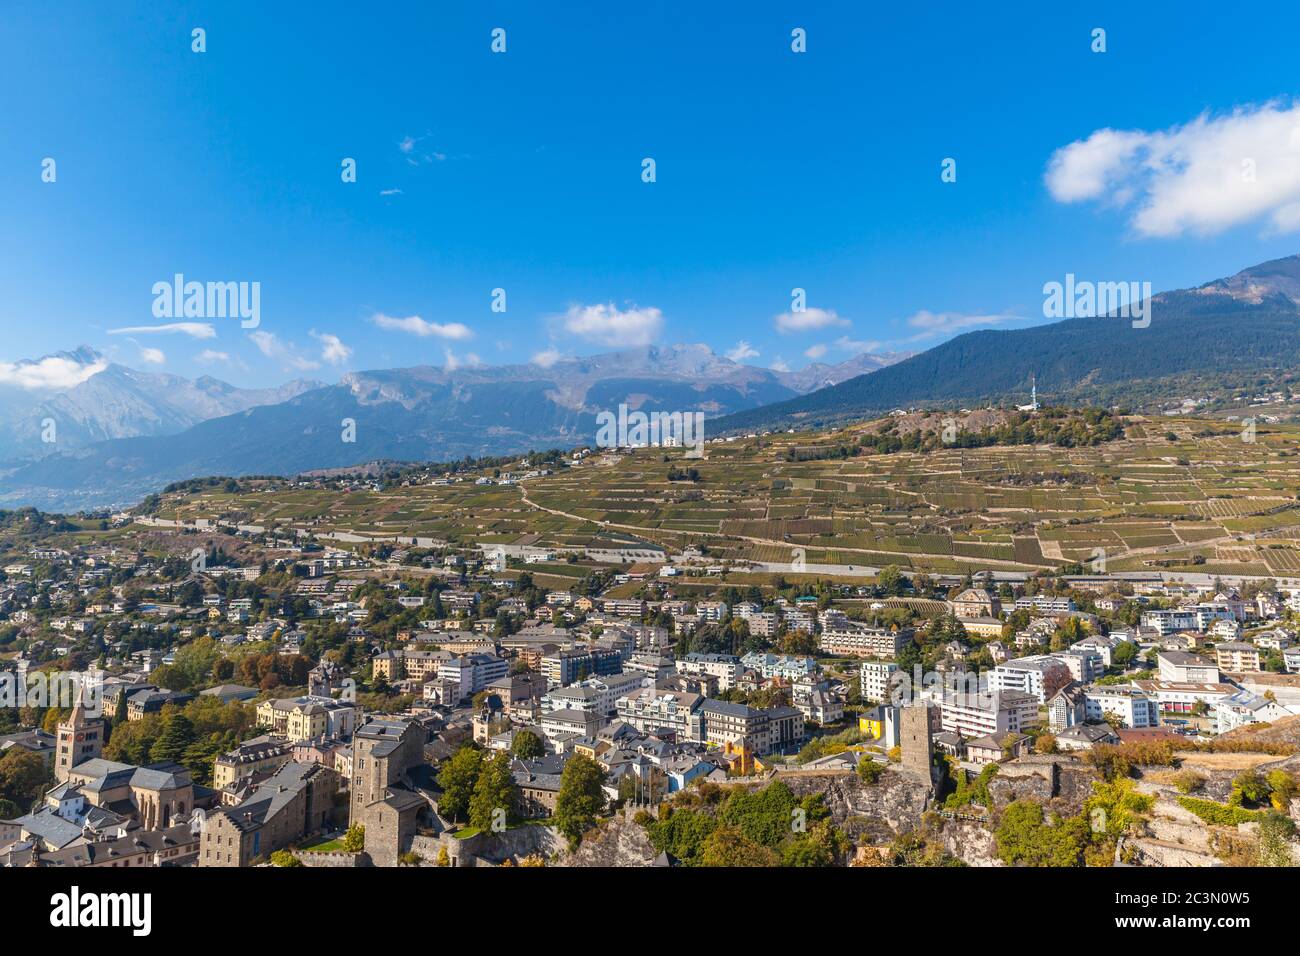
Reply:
x=1212 y=338
x=111 y=401
x=123 y=434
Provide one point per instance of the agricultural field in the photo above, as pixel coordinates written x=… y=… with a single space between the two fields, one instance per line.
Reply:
x=1174 y=494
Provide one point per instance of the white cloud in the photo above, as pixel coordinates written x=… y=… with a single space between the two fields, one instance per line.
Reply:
x=606 y=324
x=152 y=356
x=51 y=372
x=930 y=324
x=455 y=331
x=815 y=351
x=332 y=348
x=272 y=347
x=856 y=346
x=417 y=155
x=547 y=357
x=742 y=351
x=779 y=365
x=211 y=356
x=1202 y=177
x=390 y=192
x=197 y=330
x=808 y=321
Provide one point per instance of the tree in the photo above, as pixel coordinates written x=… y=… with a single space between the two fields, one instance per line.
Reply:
x=869 y=770
x=527 y=745
x=1249 y=789
x=727 y=846
x=354 y=840
x=1124 y=654
x=581 y=798
x=1025 y=837
x=1275 y=832
x=457 y=780
x=1282 y=788
x=284 y=858
x=23 y=777
x=891 y=580
x=495 y=793
x=177 y=736
x=820 y=846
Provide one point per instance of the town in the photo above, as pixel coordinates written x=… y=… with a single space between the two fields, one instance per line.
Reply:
x=287 y=693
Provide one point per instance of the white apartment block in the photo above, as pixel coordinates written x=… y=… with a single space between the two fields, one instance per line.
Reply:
x=1085 y=665
x=595 y=695
x=650 y=710
x=472 y=672
x=725 y=667
x=1133 y=707
x=978 y=714
x=711 y=612
x=1042 y=676
x=1182 y=667
x=875 y=678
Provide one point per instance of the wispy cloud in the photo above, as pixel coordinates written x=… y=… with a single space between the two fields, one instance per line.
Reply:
x=196 y=330
x=606 y=324
x=547 y=358
x=742 y=350
x=931 y=324
x=808 y=320
x=212 y=357
x=815 y=351
x=332 y=348
x=856 y=346
x=273 y=348
x=451 y=361
x=152 y=356
x=414 y=325
x=416 y=153
x=1199 y=178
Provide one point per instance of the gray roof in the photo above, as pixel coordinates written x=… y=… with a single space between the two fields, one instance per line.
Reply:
x=50 y=827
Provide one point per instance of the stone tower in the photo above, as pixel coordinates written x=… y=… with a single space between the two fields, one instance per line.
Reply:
x=918 y=723
x=80 y=738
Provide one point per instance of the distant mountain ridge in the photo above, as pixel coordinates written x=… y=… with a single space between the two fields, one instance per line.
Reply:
x=115 y=401
x=418 y=413
x=1247 y=322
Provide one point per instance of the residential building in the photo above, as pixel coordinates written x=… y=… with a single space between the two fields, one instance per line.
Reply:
x=1041 y=676
x=651 y=710
x=1133 y=707
x=1237 y=657
x=877 y=680
x=1186 y=668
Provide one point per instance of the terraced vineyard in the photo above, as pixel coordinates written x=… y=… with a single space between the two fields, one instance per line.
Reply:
x=1201 y=500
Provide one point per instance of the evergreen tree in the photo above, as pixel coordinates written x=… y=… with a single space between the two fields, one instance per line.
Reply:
x=177 y=736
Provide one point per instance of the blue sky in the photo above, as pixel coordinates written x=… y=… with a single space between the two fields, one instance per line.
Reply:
x=522 y=171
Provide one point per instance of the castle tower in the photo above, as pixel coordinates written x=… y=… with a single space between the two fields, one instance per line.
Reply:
x=80 y=738
x=918 y=722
